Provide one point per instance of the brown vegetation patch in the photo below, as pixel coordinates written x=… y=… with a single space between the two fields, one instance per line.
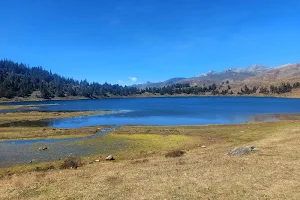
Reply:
x=174 y=154
x=113 y=180
x=71 y=163
x=139 y=161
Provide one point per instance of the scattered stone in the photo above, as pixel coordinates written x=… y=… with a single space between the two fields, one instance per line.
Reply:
x=90 y=162
x=110 y=157
x=43 y=148
x=97 y=160
x=242 y=151
x=203 y=146
x=150 y=152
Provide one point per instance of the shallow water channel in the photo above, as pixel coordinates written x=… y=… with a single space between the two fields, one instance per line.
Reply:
x=13 y=152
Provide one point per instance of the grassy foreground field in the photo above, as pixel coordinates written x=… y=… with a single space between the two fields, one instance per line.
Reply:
x=141 y=170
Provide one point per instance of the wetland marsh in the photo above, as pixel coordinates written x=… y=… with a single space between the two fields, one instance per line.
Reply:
x=77 y=127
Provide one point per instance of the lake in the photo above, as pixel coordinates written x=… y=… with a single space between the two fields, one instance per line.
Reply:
x=172 y=111
x=142 y=111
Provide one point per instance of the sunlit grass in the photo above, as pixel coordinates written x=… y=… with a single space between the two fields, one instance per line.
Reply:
x=200 y=173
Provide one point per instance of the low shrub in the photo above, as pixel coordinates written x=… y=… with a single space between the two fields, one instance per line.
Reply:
x=71 y=163
x=41 y=169
x=173 y=154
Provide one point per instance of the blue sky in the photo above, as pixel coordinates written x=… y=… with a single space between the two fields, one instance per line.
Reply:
x=134 y=41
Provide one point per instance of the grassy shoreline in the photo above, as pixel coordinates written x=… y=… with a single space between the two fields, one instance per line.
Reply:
x=289 y=96
x=8 y=132
x=31 y=133
x=141 y=169
x=36 y=115
x=15 y=107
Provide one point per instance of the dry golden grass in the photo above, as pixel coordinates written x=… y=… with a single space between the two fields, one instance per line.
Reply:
x=201 y=173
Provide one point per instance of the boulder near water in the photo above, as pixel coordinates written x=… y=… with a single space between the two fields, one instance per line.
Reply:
x=110 y=157
x=242 y=151
x=43 y=148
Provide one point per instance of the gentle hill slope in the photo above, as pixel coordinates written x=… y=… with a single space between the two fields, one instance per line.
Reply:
x=289 y=72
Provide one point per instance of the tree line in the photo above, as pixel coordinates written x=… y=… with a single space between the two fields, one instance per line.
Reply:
x=279 y=89
x=20 y=80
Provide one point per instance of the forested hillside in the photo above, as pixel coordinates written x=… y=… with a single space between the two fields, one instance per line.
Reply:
x=20 y=80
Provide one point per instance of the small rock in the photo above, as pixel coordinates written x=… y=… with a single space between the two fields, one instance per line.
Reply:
x=150 y=152
x=110 y=157
x=43 y=148
x=242 y=151
x=89 y=163
x=203 y=146
x=97 y=160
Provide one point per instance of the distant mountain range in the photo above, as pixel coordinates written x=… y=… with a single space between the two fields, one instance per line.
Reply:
x=252 y=74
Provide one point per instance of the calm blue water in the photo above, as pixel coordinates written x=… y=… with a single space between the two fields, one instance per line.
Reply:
x=172 y=111
x=145 y=111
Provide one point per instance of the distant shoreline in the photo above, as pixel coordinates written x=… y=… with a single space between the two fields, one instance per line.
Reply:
x=20 y=99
